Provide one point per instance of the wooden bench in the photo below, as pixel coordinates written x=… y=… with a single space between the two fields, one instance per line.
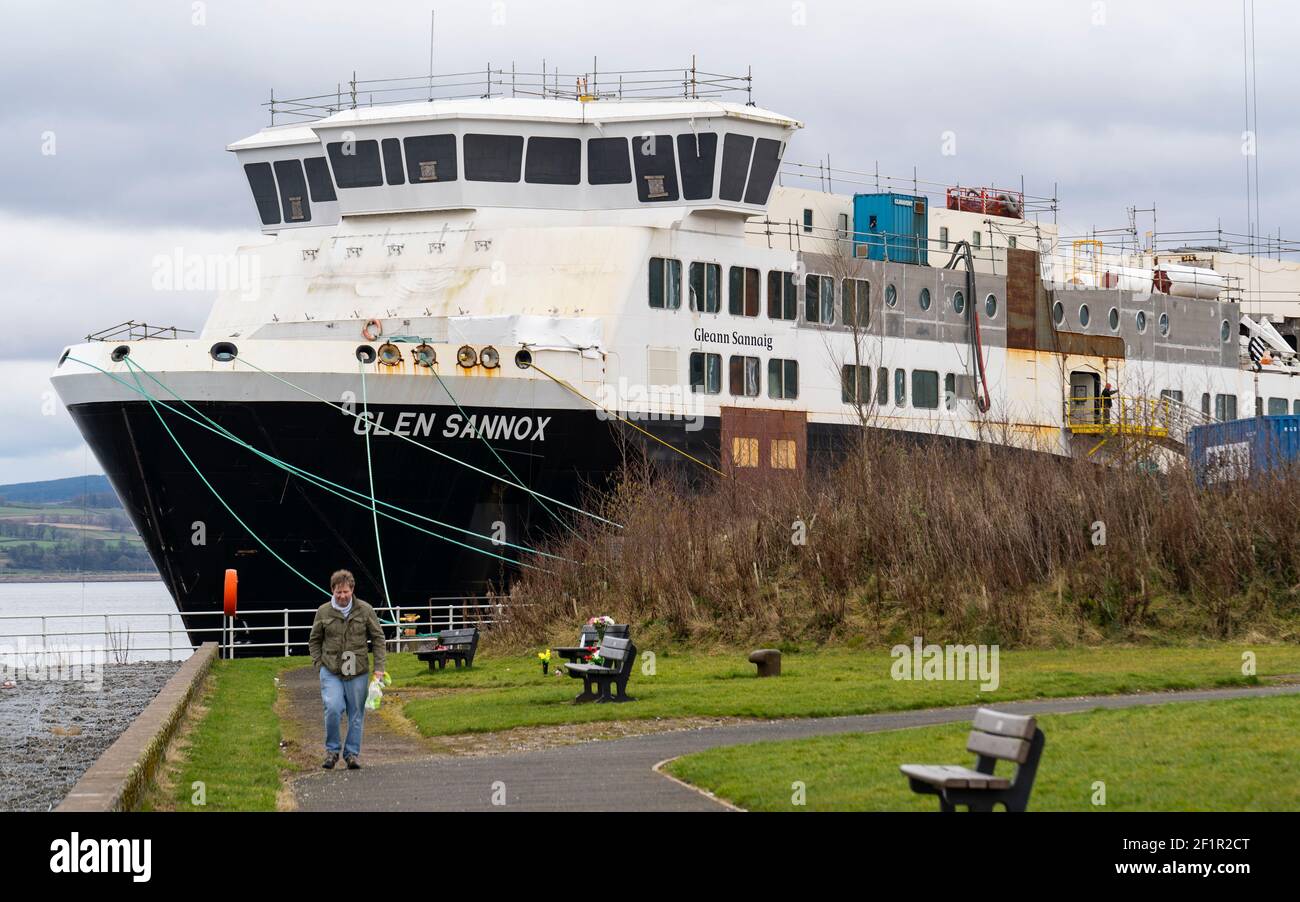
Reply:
x=587 y=640
x=451 y=645
x=618 y=655
x=994 y=737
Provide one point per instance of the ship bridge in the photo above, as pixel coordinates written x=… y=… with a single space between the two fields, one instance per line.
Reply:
x=585 y=149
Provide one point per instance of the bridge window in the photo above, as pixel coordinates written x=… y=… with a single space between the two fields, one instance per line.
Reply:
x=704 y=287
x=782 y=379
x=781 y=300
x=431 y=158
x=736 y=151
x=553 y=161
x=762 y=172
x=656 y=173
x=665 y=283
x=925 y=389
x=293 y=191
x=263 y=185
x=493 y=158
x=607 y=162
x=355 y=163
x=1277 y=407
x=697 y=154
x=855 y=302
x=819 y=299
x=1225 y=407
x=743 y=291
x=319 y=181
x=744 y=375
x=855 y=384
x=706 y=373
x=392 y=149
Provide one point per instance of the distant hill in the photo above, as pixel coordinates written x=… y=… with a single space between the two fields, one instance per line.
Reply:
x=62 y=491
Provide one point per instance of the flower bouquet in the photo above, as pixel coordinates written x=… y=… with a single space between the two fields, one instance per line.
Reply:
x=545 y=658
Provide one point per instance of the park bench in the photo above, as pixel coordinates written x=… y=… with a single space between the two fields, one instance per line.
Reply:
x=618 y=655
x=587 y=640
x=451 y=645
x=994 y=737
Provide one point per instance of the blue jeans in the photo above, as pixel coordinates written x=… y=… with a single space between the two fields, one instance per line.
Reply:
x=341 y=694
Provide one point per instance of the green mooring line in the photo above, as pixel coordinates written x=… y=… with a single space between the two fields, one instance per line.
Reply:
x=320 y=481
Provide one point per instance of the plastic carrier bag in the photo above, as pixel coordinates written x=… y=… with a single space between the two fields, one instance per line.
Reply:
x=375 y=697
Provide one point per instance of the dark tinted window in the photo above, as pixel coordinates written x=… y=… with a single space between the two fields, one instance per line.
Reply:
x=767 y=158
x=359 y=168
x=393 y=162
x=493 y=158
x=318 y=179
x=735 y=166
x=656 y=173
x=698 y=154
x=431 y=158
x=293 y=191
x=607 y=162
x=263 y=185
x=553 y=161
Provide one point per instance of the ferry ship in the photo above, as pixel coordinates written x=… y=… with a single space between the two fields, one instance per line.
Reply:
x=464 y=311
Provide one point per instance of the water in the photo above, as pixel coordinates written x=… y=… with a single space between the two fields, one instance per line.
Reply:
x=138 y=616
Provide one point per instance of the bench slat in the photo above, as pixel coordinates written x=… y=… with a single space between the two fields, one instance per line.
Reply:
x=952 y=776
x=1002 y=747
x=989 y=721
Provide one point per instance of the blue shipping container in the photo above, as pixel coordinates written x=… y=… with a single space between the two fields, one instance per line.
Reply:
x=891 y=227
x=1221 y=452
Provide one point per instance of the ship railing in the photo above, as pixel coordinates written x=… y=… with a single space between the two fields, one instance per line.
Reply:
x=1119 y=414
x=36 y=640
x=133 y=331
x=686 y=82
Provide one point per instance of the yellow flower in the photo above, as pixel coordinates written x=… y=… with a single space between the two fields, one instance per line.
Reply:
x=544 y=655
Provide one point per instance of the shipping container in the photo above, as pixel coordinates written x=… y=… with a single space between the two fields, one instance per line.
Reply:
x=1222 y=452
x=891 y=227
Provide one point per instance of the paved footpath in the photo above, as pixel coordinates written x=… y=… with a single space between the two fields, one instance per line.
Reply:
x=619 y=773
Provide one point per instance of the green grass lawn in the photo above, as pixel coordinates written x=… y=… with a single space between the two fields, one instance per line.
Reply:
x=234 y=750
x=1237 y=755
x=503 y=692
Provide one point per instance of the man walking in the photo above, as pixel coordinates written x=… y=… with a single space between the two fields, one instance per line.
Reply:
x=338 y=650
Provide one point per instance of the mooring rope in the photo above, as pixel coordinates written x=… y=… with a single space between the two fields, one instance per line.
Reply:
x=320 y=481
x=384 y=430
x=614 y=414
x=374 y=506
x=152 y=406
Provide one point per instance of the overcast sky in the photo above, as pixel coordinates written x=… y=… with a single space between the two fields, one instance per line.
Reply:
x=116 y=116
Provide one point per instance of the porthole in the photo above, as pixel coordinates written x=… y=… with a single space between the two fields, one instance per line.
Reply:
x=365 y=354
x=390 y=354
x=524 y=359
x=891 y=296
x=1225 y=330
x=1085 y=315
x=1058 y=313
x=1164 y=324
x=490 y=358
x=224 y=351
x=924 y=299
x=1142 y=320
x=466 y=356
x=991 y=306
x=120 y=353
x=64 y=358
x=423 y=355
x=959 y=302
x=1113 y=319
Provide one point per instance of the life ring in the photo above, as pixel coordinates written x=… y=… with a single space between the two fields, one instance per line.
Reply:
x=372 y=329
x=230 y=593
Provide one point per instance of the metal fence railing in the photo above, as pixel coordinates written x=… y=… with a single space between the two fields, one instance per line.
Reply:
x=131 y=636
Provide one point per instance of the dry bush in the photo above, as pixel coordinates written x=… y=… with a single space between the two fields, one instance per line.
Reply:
x=946 y=539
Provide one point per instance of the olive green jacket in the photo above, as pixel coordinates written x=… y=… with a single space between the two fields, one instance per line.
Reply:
x=340 y=645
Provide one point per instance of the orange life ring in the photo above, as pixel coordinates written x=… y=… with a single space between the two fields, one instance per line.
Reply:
x=372 y=329
x=231 y=593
